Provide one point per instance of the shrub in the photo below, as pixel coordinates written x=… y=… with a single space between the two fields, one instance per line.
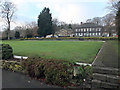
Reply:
x=59 y=72
x=73 y=38
x=12 y=65
x=7 y=51
x=17 y=35
x=54 y=71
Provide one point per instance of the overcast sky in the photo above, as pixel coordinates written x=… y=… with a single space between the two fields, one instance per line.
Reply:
x=69 y=11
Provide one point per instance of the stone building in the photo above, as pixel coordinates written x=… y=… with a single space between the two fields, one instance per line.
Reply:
x=65 y=32
x=88 y=30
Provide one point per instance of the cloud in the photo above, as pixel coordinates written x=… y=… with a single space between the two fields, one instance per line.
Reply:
x=71 y=13
x=65 y=10
x=1 y=24
x=66 y=1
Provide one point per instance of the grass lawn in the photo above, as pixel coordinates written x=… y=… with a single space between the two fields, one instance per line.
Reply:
x=82 y=51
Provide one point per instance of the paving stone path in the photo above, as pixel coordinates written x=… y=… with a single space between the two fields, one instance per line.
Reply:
x=18 y=80
x=106 y=68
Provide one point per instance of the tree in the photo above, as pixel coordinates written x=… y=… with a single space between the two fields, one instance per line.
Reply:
x=8 y=11
x=88 y=20
x=17 y=35
x=109 y=22
x=118 y=23
x=69 y=26
x=114 y=5
x=96 y=20
x=45 y=23
x=34 y=28
x=29 y=33
x=55 y=24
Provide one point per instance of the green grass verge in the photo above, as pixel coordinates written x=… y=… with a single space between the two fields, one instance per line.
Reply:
x=66 y=50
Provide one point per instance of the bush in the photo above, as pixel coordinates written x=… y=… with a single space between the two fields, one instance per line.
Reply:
x=7 y=51
x=12 y=65
x=59 y=72
x=17 y=35
x=54 y=71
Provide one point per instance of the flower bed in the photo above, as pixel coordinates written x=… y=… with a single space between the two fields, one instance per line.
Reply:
x=73 y=38
x=12 y=65
x=57 y=72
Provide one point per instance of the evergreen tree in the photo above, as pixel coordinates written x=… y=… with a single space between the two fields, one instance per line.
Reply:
x=69 y=26
x=118 y=23
x=17 y=35
x=45 y=23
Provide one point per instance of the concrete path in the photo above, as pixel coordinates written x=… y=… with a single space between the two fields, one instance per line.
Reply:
x=108 y=57
x=18 y=80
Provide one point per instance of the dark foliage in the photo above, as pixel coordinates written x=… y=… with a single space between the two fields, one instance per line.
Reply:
x=56 y=72
x=45 y=23
x=7 y=51
x=118 y=23
x=17 y=35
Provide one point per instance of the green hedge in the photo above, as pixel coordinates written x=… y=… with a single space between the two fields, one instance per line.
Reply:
x=73 y=38
x=7 y=51
x=57 y=72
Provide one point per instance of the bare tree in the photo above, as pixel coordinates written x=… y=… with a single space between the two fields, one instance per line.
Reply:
x=7 y=13
x=88 y=20
x=96 y=20
x=109 y=22
x=28 y=28
x=114 y=5
x=55 y=24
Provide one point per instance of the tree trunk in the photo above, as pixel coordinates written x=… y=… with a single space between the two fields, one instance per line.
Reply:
x=9 y=31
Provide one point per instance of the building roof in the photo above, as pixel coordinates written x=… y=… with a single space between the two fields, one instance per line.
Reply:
x=89 y=25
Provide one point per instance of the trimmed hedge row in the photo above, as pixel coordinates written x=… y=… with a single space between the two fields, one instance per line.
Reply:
x=57 y=72
x=6 y=51
x=73 y=38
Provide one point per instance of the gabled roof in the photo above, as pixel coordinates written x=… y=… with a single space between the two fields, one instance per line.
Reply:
x=89 y=25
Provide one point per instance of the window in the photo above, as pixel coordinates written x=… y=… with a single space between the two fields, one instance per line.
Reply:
x=84 y=30
x=93 y=34
x=87 y=29
x=79 y=34
x=99 y=33
x=76 y=34
x=90 y=29
x=96 y=34
x=99 y=29
x=76 y=30
x=81 y=29
x=96 y=30
x=90 y=34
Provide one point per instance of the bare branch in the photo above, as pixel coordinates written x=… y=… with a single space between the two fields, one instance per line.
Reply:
x=114 y=5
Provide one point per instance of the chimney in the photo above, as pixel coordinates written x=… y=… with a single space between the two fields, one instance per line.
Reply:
x=81 y=23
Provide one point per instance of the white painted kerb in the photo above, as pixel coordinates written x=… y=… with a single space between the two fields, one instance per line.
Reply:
x=20 y=57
